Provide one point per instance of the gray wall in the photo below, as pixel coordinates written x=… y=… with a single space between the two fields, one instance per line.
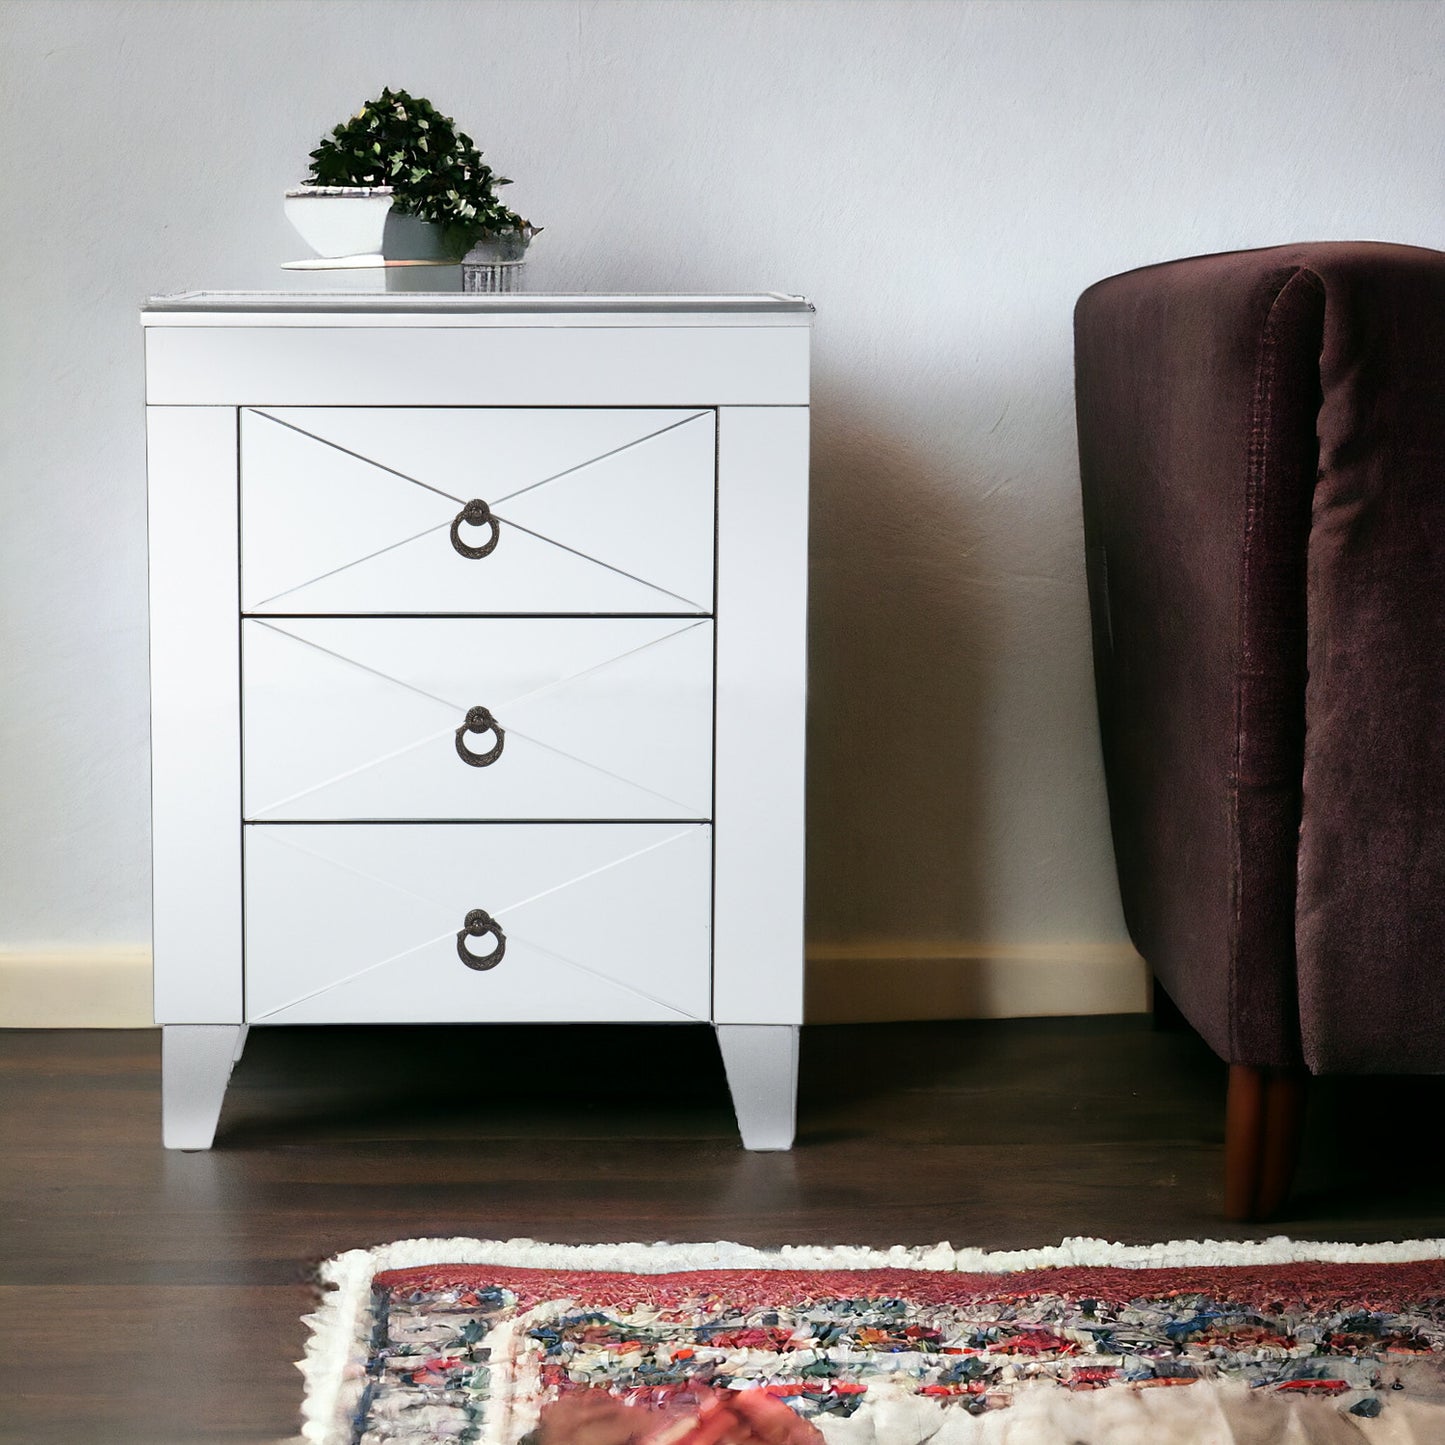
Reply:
x=941 y=179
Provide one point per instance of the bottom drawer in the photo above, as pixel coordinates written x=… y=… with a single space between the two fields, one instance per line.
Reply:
x=595 y=922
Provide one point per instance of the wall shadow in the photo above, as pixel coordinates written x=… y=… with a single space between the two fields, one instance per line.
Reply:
x=949 y=674
x=897 y=687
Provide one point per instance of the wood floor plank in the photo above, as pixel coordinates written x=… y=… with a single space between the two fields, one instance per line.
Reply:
x=155 y=1297
x=159 y=1365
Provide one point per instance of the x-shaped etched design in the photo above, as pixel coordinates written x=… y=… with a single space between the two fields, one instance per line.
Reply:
x=456 y=707
x=461 y=501
x=506 y=911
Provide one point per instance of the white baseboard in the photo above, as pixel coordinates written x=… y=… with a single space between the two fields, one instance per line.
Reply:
x=850 y=983
x=111 y=987
x=92 y=988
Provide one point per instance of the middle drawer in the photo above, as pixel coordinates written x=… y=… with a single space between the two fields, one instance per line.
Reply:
x=476 y=718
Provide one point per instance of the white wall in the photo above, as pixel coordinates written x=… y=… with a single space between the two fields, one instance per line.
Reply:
x=942 y=179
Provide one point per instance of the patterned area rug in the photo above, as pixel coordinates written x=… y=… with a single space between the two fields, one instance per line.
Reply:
x=466 y=1341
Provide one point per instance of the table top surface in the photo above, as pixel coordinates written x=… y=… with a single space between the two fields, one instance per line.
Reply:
x=706 y=309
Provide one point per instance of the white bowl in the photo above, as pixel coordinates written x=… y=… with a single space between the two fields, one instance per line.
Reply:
x=340 y=220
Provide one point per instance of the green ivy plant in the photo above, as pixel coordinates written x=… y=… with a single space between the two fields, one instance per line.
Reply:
x=435 y=171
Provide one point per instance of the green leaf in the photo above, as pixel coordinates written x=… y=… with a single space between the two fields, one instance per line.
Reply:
x=437 y=171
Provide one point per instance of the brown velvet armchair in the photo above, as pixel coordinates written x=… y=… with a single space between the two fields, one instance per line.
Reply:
x=1262 y=453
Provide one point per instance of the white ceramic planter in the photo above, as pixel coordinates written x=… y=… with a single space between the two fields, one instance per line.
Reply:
x=340 y=220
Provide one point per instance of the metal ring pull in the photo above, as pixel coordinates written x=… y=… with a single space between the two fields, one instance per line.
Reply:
x=479 y=720
x=477 y=925
x=477 y=514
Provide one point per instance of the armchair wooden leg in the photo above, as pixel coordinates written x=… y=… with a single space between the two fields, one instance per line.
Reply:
x=1264 y=1119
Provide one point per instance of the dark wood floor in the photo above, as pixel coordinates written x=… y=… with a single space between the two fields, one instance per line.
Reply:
x=155 y=1298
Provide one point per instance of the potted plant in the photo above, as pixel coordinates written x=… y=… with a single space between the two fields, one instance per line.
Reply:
x=442 y=194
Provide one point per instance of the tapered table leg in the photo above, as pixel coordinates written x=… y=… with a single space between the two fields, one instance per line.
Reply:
x=196 y=1062
x=762 y=1068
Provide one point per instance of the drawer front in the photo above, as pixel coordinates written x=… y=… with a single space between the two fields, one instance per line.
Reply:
x=355 y=510
x=358 y=923
x=590 y=717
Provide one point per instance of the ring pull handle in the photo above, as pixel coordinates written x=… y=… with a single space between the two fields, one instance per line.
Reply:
x=479 y=720
x=478 y=925
x=476 y=513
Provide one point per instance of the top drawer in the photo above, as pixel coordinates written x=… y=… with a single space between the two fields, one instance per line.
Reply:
x=355 y=510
